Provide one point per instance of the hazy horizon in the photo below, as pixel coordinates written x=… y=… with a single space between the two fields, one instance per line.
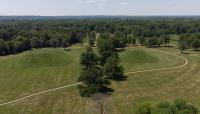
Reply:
x=96 y=15
x=99 y=7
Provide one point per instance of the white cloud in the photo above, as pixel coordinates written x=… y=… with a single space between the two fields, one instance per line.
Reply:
x=123 y=3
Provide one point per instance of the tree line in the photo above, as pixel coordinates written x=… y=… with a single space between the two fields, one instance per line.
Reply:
x=18 y=36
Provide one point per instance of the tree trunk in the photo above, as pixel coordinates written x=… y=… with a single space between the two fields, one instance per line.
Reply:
x=181 y=51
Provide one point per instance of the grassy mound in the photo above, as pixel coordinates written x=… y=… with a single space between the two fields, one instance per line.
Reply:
x=135 y=59
x=42 y=69
x=37 y=70
x=41 y=58
x=138 y=57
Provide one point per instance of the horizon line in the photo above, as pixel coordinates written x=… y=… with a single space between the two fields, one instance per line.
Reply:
x=90 y=15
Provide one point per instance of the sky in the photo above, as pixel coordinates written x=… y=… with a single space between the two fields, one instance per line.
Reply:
x=99 y=7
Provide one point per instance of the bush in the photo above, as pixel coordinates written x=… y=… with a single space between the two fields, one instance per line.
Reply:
x=144 y=109
x=178 y=107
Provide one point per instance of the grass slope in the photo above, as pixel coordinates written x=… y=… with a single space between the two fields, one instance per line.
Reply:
x=43 y=69
x=37 y=70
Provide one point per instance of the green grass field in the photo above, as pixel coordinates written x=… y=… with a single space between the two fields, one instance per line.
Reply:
x=43 y=69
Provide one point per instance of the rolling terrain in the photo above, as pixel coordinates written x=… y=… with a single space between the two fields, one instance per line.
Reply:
x=42 y=69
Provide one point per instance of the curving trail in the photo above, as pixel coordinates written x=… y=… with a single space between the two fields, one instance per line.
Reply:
x=39 y=93
x=67 y=86
x=167 y=68
x=194 y=55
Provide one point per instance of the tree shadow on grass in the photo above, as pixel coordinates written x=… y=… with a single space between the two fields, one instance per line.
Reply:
x=185 y=53
x=106 y=90
x=119 y=79
x=197 y=50
x=168 y=46
x=68 y=49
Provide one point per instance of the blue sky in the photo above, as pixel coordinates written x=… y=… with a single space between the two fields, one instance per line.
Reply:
x=99 y=7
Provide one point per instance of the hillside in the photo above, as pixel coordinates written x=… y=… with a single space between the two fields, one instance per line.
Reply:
x=43 y=69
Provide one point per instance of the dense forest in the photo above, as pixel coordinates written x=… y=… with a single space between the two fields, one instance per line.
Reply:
x=22 y=35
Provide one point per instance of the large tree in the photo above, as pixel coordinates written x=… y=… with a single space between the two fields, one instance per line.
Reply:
x=105 y=48
x=153 y=42
x=65 y=43
x=92 y=38
x=88 y=58
x=196 y=43
x=113 y=69
x=166 y=39
x=91 y=75
x=183 y=43
x=118 y=40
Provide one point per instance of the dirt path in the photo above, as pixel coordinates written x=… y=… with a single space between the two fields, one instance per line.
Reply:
x=167 y=68
x=194 y=55
x=67 y=86
x=97 y=36
x=39 y=93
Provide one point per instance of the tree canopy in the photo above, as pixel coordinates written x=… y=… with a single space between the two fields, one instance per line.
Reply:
x=57 y=33
x=178 y=107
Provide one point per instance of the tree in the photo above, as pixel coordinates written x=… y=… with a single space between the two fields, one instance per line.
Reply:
x=118 y=41
x=91 y=42
x=113 y=69
x=81 y=35
x=11 y=47
x=93 y=81
x=54 y=43
x=92 y=34
x=166 y=39
x=65 y=44
x=183 y=43
x=132 y=40
x=45 y=37
x=88 y=58
x=105 y=49
x=91 y=75
x=36 y=42
x=196 y=43
x=21 y=44
x=73 y=37
x=153 y=42
x=141 y=40
x=92 y=38
x=4 y=48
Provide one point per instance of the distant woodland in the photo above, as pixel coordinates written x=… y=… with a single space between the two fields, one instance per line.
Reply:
x=21 y=35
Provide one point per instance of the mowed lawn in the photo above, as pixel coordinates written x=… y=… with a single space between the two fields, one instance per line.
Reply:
x=43 y=69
